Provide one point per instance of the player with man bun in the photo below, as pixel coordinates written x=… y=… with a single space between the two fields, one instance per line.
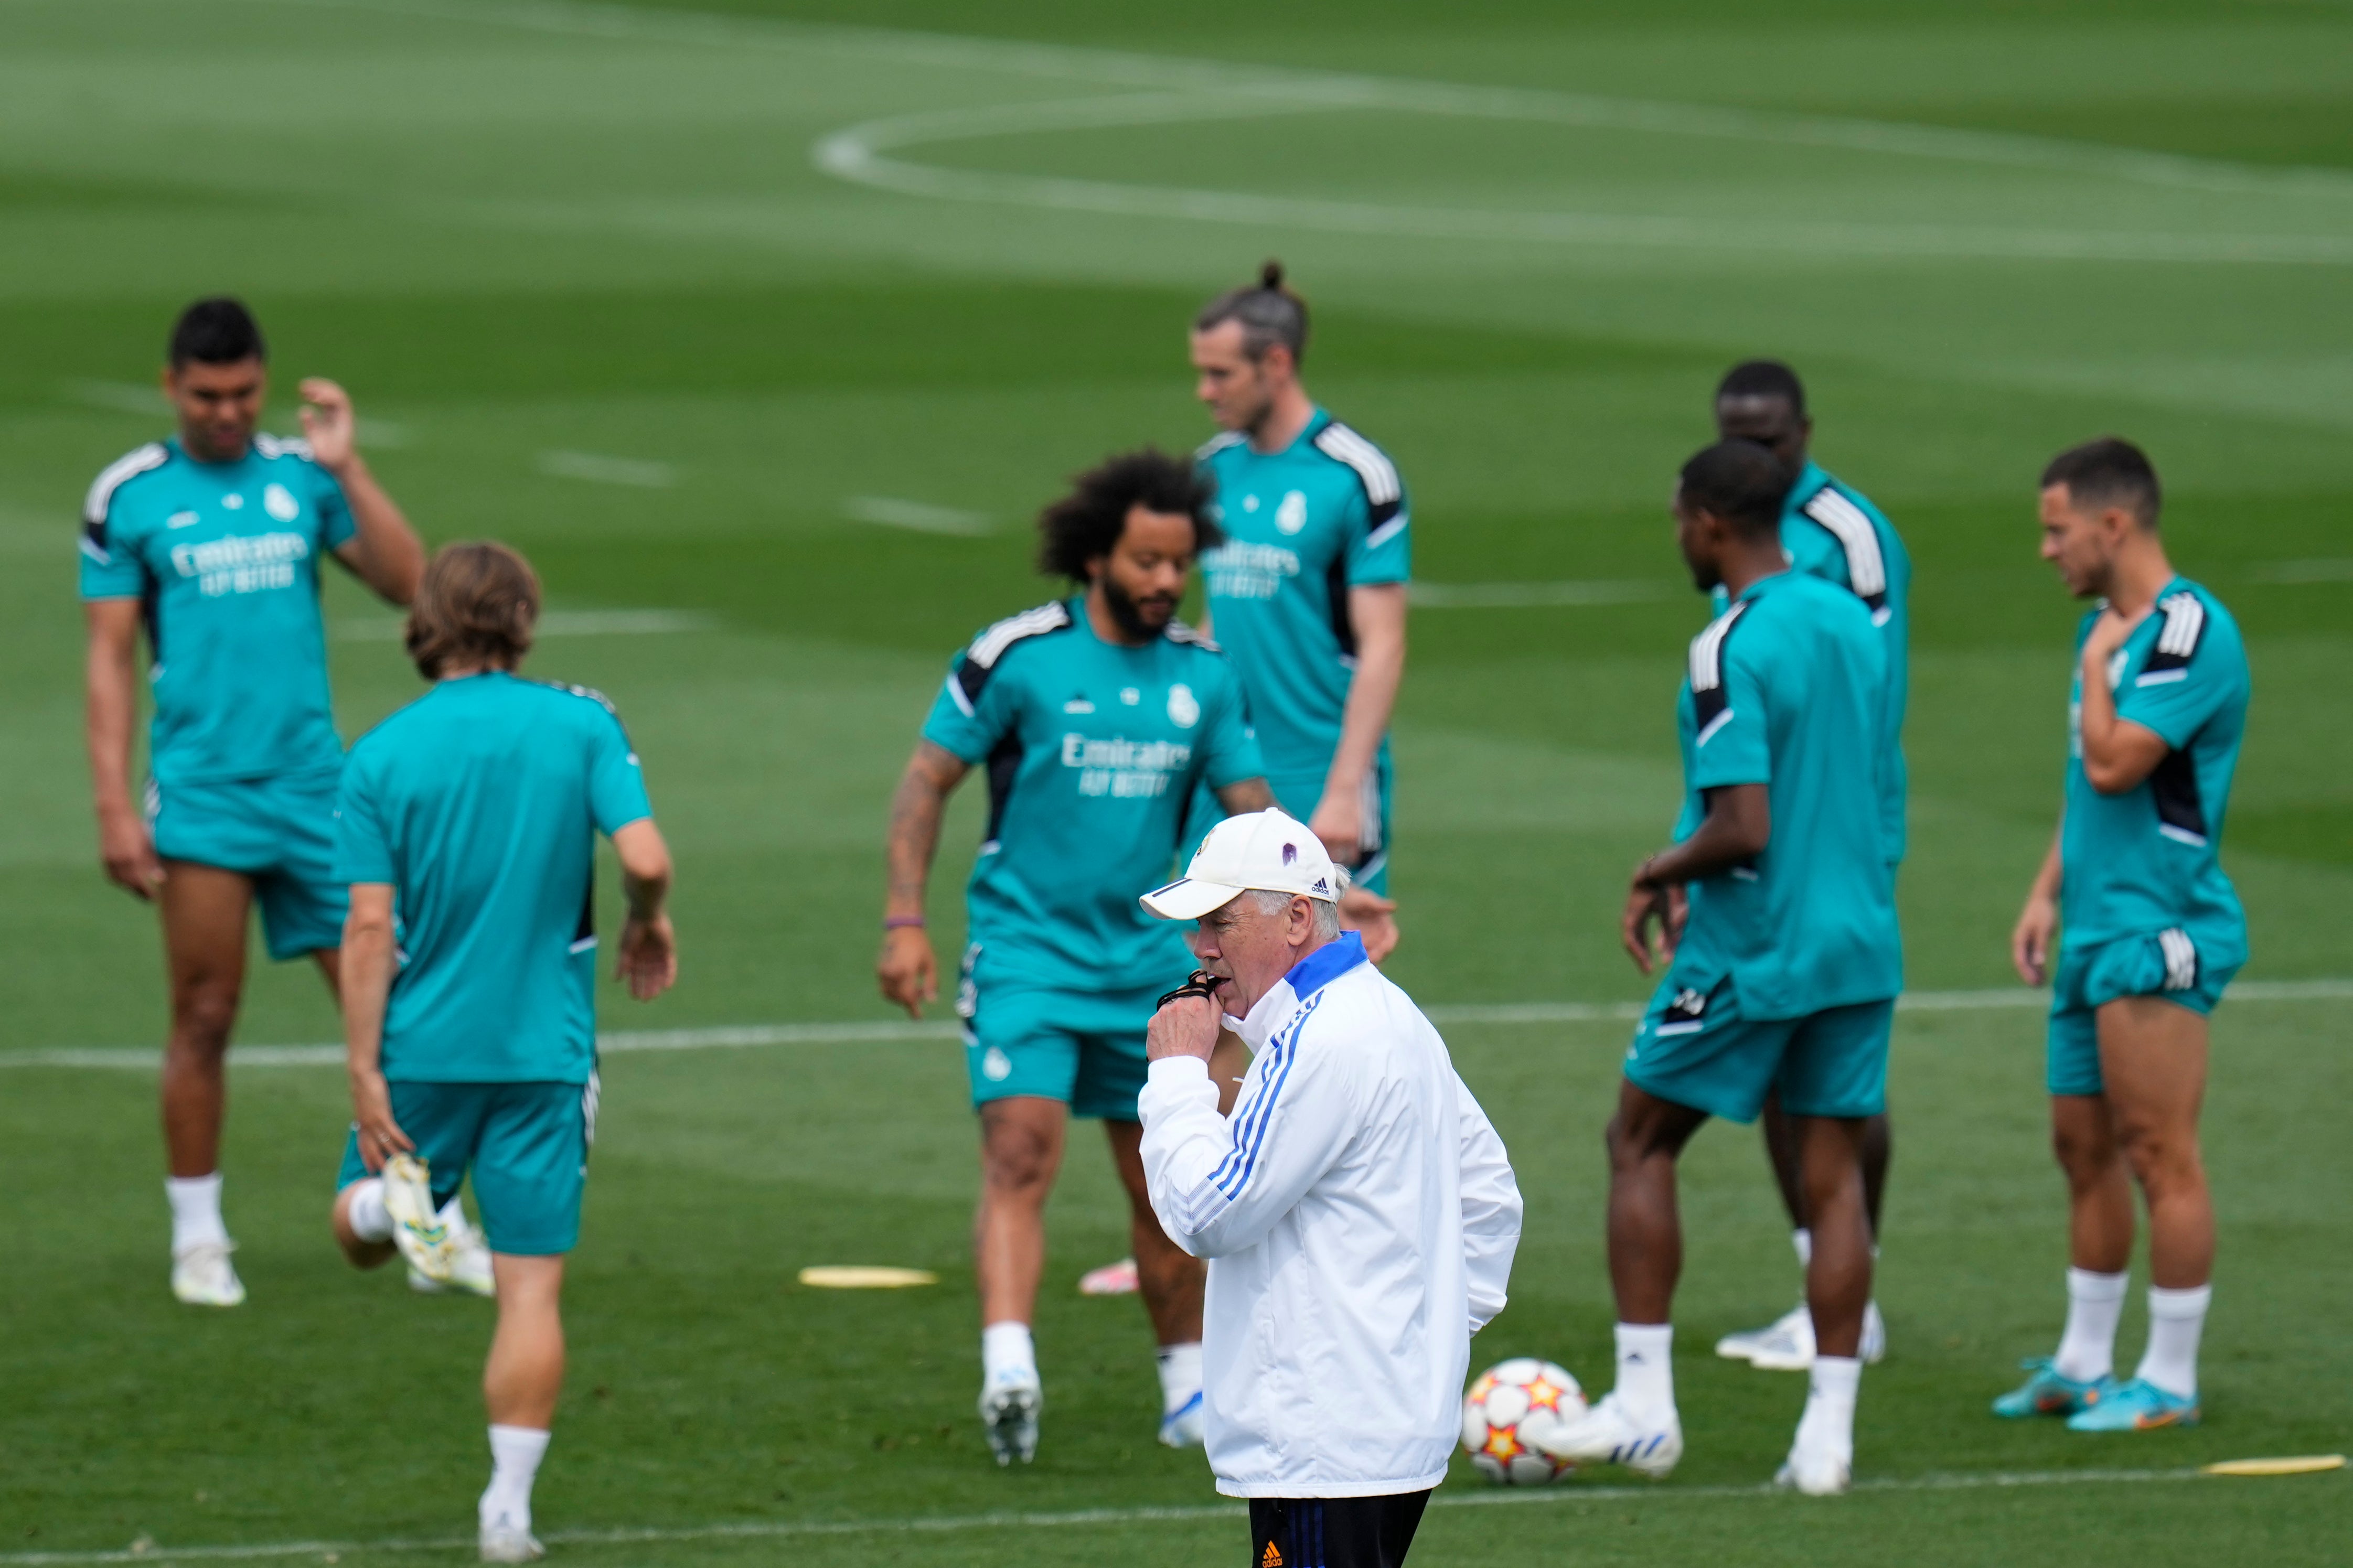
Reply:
x=1307 y=594
x=1096 y=717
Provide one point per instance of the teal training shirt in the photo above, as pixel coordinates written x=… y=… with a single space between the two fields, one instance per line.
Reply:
x=1785 y=689
x=224 y=559
x=480 y=803
x=1830 y=531
x=1303 y=525
x=2150 y=859
x=1092 y=752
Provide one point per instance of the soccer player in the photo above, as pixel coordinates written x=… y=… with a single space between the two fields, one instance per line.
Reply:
x=1307 y=593
x=1775 y=914
x=2149 y=932
x=209 y=543
x=1096 y=717
x=471 y=817
x=1830 y=532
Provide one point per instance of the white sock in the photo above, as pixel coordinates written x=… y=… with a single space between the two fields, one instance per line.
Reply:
x=1646 y=1368
x=1802 y=1239
x=370 y=1220
x=453 y=1214
x=1828 y=1424
x=516 y=1454
x=1007 y=1348
x=1180 y=1376
x=2087 y=1349
x=2176 y=1319
x=196 y=1211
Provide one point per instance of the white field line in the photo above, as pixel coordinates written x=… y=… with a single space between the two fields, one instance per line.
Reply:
x=857 y=154
x=1572 y=1492
x=557 y=624
x=624 y=1042
x=1279 y=85
x=598 y=470
x=148 y=401
x=920 y=517
x=2333 y=570
x=1215 y=90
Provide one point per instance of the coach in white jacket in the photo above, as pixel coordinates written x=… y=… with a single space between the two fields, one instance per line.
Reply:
x=1358 y=1210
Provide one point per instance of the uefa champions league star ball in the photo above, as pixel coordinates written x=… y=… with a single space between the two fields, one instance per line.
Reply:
x=1508 y=1407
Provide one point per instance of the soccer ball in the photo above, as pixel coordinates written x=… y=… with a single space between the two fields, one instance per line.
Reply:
x=1510 y=1405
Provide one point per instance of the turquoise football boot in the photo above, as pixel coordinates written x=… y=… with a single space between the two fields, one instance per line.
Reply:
x=2136 y=1406
x=2045 y=1393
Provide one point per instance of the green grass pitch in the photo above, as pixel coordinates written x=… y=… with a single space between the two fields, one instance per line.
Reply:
x=670 y=296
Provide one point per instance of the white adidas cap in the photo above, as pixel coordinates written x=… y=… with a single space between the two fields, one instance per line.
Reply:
x=1265 y=850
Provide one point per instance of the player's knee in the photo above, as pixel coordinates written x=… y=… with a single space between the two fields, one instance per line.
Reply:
x=2163 y=1159
x=1015 y=1160
x=203 y=1013
x=2086 y=1155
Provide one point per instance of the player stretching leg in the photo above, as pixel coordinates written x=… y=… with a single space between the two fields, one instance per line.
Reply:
x=1307 y=594
x=1777 y=914
x=2151 y=931
x=1832 y=532
x=1096 y=717
x=475 y=811
x=209 y=543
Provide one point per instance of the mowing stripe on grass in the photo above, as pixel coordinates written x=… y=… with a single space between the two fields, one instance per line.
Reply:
x=621 y=1042
x=1161 y=72
x=144 y=1550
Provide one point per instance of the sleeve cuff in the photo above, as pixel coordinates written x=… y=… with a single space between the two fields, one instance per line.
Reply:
x=1176 y=1071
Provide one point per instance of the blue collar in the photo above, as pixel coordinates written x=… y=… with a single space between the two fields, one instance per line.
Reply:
x=1325 y=964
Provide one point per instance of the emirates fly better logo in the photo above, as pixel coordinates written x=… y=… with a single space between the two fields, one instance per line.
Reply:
x=242 y=564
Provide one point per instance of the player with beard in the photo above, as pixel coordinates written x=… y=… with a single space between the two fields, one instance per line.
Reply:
x=1096 y=717
x=1308 y=591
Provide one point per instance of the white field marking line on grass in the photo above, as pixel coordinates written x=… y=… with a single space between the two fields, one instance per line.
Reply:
x=624 y=1042
x=557 y=624
x=918 y=1524
x=603 y=471
x=2322 y=570
x=920 y=517
x=132 y=397
x=1336 y=88
x=1529 y=595
x=855 y=154
x=1218 y=90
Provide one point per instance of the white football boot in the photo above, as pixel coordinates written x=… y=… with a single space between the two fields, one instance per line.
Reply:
x=503 y=1541
x=1185 y=1427
x=202 y=1276
x=1816 y=1469
x=416 y=1228
x=1607 y=1435
x=470 y=1266
x=1787 y=1344
x=1009 y=1404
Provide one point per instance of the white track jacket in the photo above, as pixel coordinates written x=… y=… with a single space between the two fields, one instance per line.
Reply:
x=1359 y=1218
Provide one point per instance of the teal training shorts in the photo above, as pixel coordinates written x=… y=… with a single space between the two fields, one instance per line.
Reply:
x=1084 y=1048
x=281 y=832
x=527 y=1144
x=1694 y=1047
x=2170 y=964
